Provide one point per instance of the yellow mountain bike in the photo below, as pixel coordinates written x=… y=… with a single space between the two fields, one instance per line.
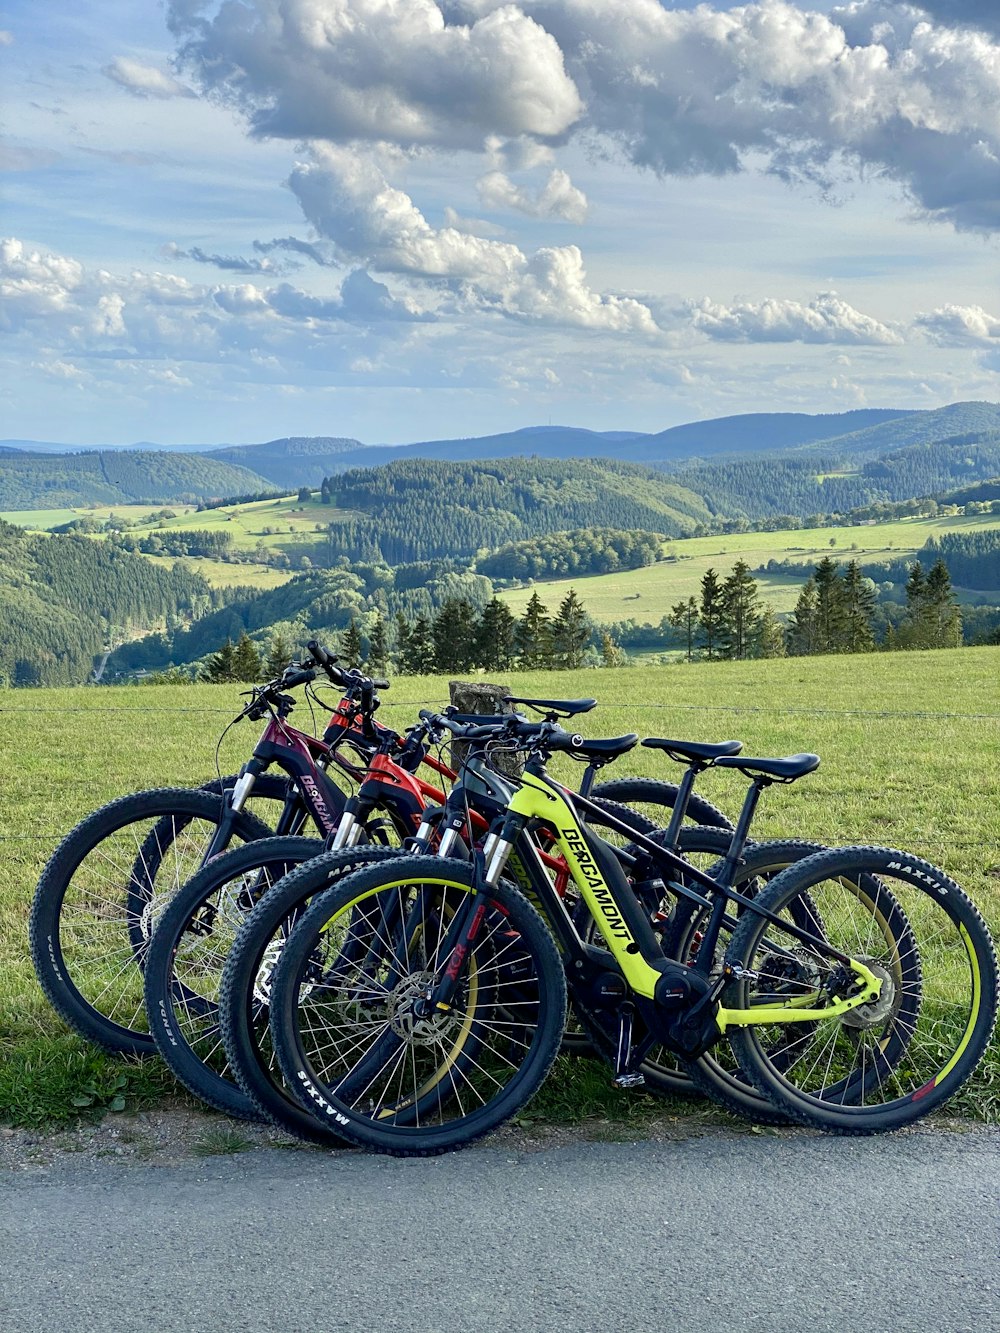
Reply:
x=418 y=1004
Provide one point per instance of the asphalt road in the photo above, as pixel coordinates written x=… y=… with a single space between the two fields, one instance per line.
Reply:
x=754 y=1233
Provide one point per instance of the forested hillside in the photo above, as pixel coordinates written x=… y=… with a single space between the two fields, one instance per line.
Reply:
x=50 y=481
x=421 y=510
x=60 y=596
x=294 y=461
x=323 y=600
x=580 y=551
x=827 y=484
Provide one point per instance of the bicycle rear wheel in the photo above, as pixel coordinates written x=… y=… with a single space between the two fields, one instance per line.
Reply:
x=347 y=1035
x=655 y=801
x=890 y=1061
x=100 y=895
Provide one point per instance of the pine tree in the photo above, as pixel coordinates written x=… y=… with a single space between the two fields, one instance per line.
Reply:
x=802 y=631
x=739 y=612
x=350 y=644
x=918 y=631
x=831 y=616
x=279 y=654
x=710 y=613
x=246 y=659
x=769 y=635
x=378 y=647
x=418 y=655
x=495 y=642
x=944 y=619
x=570 y=633
x=402 y=641
x=612 y=654
x=859 y=610
x=219 y=667
x=305 y=494
x=454 y=634
x=684 y=616
x=324 y=491
x=533 y=635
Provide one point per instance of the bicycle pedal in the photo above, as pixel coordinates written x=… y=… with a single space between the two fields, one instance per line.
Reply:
x=629 y=1081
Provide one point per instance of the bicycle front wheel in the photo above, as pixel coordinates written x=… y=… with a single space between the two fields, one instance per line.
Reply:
x=350 y=1041
x=890 y=1061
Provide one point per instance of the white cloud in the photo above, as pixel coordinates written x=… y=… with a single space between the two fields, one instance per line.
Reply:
x=558 y=197
x=346 y=198
x=381 y=70
x=144 y=80
x=827 y=319
x=6 y=38
x=872 y=85
x=960 y=326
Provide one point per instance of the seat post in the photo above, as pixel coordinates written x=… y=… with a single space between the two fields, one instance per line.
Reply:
x=684 y=788
x=741 y=832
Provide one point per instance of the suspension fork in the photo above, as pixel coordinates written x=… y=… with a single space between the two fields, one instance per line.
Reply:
x=488 y=866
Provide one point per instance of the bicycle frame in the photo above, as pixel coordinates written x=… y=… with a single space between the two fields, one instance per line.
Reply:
x=627 y=932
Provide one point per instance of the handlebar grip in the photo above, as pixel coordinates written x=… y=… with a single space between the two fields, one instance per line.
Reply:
x=320 y=654
x=380 y=683
x=301 y=676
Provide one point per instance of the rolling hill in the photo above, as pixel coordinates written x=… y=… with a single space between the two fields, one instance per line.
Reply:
x=48 y=480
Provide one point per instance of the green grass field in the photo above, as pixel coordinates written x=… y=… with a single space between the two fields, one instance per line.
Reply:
x=225 y=574
x=909 y=744
x=288 y=526
x=647 y=595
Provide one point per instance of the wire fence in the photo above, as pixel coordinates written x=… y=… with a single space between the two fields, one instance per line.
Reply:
x=670 y=708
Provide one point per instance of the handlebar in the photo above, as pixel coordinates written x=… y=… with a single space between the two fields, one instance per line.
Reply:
x=327 y=660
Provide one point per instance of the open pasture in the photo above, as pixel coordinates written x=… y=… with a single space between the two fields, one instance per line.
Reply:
x=909 y=744
x=647 y=595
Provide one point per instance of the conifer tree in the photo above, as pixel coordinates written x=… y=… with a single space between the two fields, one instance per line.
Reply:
x=246 y=659
x=279 y=654
x=533 y=635
x=378 y=647
x=859 y=610
x=402 y=641
x=350 y=644
x=739 y=612
x=219 y=667
x=769 y=635
x=612 y=654
x=684 y=616
x=495 y=642
x=831 y=618
x=570 y=633
x=418 y=655
x=802 y=631
x=710 y=613
x=944 y=620
x=454 y=635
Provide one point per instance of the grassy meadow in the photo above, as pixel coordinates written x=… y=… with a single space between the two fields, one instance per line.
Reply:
x=286 y=526
x=909 y=745
x=649 y=594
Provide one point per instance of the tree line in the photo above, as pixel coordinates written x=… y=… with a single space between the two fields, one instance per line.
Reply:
x=458 y=638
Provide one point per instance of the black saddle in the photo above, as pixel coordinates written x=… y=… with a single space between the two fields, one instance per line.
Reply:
x=777 y=770
x=565 y=707
x=694 y=751
x=600 y=751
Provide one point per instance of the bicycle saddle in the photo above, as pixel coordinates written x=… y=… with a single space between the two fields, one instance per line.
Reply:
x=568 y=707
x=601 y=750
x=696 y=751
x=779 y=770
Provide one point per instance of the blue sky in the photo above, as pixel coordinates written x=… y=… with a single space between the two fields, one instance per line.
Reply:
x=401 y=219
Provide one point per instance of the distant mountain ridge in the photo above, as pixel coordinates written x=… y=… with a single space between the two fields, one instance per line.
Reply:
x=54 y=481
x=859 y=435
